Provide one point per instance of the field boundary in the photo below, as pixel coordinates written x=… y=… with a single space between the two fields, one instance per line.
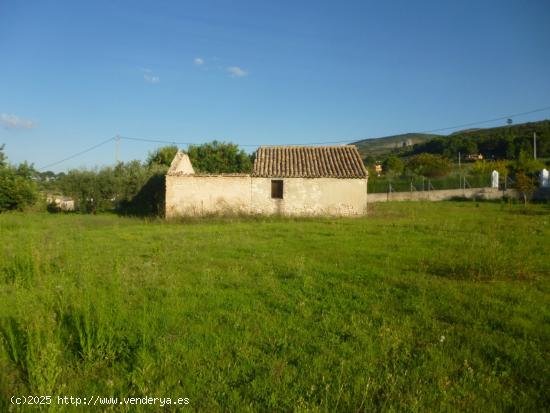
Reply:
x=443 y=195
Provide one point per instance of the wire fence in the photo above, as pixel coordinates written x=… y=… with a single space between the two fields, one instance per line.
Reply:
x=384 y=185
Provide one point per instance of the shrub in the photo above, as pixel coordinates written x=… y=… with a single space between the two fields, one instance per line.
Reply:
x=17 y=189
x=393 y=166
x=428 y=165
x=525 y=185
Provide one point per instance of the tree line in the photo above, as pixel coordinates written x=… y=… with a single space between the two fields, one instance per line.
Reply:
x=494 y=143
x=135 y=187
x=138 y=188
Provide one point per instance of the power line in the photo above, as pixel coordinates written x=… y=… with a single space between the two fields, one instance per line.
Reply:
x=464 y=125
x=77 y=154
x=174 y=142
x=252 y=145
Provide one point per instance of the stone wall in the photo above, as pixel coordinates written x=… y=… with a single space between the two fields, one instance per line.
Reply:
x=311 y=196
x=443 y=194
x=201 y=195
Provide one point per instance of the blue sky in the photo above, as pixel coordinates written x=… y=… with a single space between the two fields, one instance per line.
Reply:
x=73 y=74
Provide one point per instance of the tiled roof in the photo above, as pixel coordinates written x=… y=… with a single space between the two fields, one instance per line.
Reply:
x=309 y=162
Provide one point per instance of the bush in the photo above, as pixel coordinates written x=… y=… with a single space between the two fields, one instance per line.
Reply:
x=17 y=189
x=525 y=186
x=130 y=188
x=428 y=165
x=16 y=192
x=393 y=166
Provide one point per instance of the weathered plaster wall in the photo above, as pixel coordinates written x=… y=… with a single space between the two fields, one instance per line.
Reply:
x=199 y=195
x=318 y=196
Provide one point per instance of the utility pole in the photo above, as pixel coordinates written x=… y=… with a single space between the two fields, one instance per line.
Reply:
x=459 y=160
x=535 y=145
x=117 y=149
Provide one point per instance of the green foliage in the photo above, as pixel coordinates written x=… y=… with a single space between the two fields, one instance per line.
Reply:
x=380 y=147
x=85 y=187
x=484 y=168
x=438 y=306
x=149 y=199
x=369 y=161
x=219 y=157
x=525 y=185
x=393 y=165
x=428 y=165
x=3 y=160
x=17 y=189
x=499 y=143
x=129 y=188
x=526 y=164
x=162 y=156
x=138 y=189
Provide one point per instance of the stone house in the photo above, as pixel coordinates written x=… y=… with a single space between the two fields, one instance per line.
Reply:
x=60 y=202
x=286 y=180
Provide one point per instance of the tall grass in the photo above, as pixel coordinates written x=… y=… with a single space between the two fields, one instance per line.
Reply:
x=419 y=307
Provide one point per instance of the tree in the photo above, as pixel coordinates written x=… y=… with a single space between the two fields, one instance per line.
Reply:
x=17 y=189
x=219 y=157
x=129 y=188
x=494 y=143
x=526 y=164
x=525 y=185
x=2 y=157
x=429 y=165
x=369 y=160
x=84 y=187
x=162 y=156
x=393 y=165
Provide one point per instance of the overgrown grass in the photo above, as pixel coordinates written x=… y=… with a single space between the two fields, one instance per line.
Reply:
x=418 y=307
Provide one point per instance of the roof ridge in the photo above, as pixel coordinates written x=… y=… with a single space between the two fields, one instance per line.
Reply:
x=305 y=146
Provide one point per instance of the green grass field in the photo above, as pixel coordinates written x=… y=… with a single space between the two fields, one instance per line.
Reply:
x=418 y=307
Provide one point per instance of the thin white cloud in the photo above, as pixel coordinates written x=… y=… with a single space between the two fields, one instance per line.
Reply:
x=15 y=122
x=236 y=71
x=149 y=76
x=198 y=61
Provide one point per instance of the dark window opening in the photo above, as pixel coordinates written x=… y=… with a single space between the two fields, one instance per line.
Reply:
x=277 y=189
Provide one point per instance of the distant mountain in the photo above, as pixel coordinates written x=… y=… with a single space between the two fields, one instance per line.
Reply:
x=383 y=146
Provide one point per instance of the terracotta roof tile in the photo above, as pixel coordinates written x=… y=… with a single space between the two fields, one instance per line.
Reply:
x=309 y=162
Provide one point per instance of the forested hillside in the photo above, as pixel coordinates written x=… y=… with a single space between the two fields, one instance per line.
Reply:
x=387 y=144
x=493 y=143
x=505 y=142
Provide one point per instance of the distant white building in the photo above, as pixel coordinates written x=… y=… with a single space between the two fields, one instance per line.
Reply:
x=63 y=203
